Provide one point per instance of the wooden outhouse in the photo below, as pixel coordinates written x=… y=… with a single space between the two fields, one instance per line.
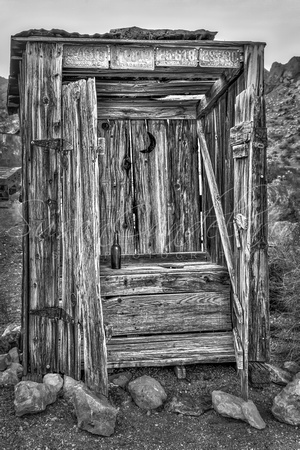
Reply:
x=161 y=136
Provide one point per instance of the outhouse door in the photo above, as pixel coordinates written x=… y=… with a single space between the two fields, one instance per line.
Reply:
x=81 y=238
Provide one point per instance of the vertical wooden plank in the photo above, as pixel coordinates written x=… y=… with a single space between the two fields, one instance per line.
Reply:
x=83 y=197
x=183 y=185
x=150 y=186
x=116 y=187
x=257 y=232
x=41 y=120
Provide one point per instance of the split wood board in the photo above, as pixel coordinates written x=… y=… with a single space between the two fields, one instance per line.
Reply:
x=168 y=313
x=169 y=350
x=208 y=278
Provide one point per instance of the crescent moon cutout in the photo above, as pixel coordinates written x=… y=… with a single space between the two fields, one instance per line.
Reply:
x=152 y=144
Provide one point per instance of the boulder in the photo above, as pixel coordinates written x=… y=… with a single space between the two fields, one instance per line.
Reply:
x=69 y=387
x=120 y=379
x=14 y=354
x=94 y=413
x=188 y=405
x=279 y=376
x=5 y=361
x=292 y=367
x=231 y=406
x=9 y=378
x=228 y=405
x=17 y=368
x=147 y=392
x=54 y=381
x=252 y=415
x=286 y=405
x=10 y=338
x=32 y=397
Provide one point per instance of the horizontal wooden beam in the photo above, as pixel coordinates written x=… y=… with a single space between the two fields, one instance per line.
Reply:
x=152 y=88
x=138 y=109
x=170 y=350
x=168 y=313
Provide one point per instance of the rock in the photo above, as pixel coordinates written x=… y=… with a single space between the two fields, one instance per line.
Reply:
x=14 y=354
x=292 y=367
x=5 y=361
x=227 y=405
x=54 y=381
x=69 y=387
x=94 y=413
x=10 y=338
x=279 y=376
x=120 y=379
x=252 y=415
x=17 y=368
x=286 y=405
x=187 y=405
x=9 y=377
x=297 y=376
x=147 y=392
x=32 y=397
x=231 y=406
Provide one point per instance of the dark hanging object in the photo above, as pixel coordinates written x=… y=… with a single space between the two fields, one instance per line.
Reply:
x=116 y=253
x=126 y=164
x=151 y=145
x=105 y=126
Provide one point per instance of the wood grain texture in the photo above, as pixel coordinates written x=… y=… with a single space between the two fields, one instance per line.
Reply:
x=168 y=313
x=83 y=290
x=221 y=221
x=183 y=197
x=169 y=350
x=41 y=119
x=116 y=187
x=208 y=278
x=142 y=109
x=151 y=186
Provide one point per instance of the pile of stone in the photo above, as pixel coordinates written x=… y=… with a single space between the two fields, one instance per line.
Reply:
x=11 y=370
x=96 y=414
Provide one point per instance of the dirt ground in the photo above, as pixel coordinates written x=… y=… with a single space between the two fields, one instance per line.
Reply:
x=56 y=428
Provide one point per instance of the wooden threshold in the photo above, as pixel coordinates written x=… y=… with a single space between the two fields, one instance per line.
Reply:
x=171 y=350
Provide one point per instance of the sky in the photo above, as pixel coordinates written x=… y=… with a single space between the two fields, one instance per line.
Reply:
x=276 y=22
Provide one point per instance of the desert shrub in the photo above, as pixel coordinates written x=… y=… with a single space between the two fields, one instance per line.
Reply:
x=284 y=272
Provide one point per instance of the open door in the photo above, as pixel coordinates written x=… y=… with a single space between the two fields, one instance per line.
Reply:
x=81 y=238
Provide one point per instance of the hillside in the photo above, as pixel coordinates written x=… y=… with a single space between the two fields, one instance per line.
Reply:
x=283 y=122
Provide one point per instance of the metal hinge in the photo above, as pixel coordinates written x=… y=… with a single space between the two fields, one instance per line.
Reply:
x=55 y=144
x=53 y=313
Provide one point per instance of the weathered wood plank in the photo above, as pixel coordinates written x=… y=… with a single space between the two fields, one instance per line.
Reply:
x=146 y=314
x=175 y=350
x=151 y=88
x=154 y=109
x=116 y=187
x=84 y=204
x=220 y=220
x=41 y=112
x=173 y=281
x=150 y=182
x=183 y=198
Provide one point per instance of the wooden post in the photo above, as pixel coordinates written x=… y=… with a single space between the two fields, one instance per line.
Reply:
x=41 y=120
